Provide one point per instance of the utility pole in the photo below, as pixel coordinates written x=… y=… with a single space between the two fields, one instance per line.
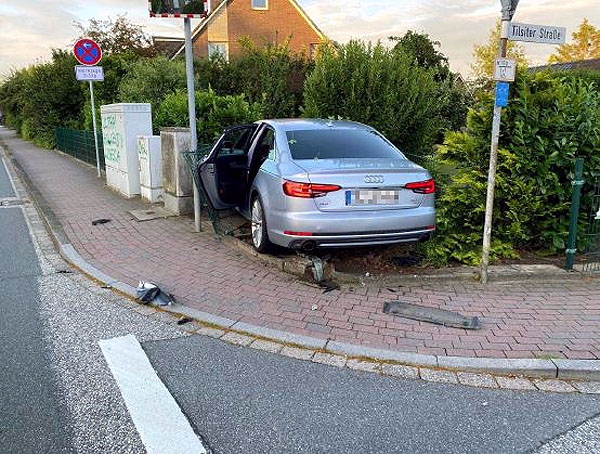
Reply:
x=508 y=10
x=191 y=90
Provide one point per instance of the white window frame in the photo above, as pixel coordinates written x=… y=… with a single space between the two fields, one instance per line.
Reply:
x=260 y=8
x=219 y=43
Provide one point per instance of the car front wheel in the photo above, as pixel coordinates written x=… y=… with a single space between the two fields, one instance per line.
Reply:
x=260 y=238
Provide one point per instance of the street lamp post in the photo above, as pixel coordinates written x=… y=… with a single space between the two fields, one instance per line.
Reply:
x=508 y=10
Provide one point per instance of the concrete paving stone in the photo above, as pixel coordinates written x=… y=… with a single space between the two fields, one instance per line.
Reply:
x=438 y=376
x=555 y=386
x=237 y=339
x=282 y=336
x=578 y=369
x=587 y=387
x=400 y=371
x=516 y=383
x=210 y=331
x=527 y=367
x=363 y=366
x=266 y=346
x=297 y=353
x=382 y=355
x=329 y=359
x=477 y=380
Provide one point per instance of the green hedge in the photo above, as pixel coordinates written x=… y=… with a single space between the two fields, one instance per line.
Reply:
x=213 y=112
x=551 y=119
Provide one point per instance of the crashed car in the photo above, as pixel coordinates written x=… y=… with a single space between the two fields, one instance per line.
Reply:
x=307 y=184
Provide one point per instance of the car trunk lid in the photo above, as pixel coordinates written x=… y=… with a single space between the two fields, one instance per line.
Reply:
x=366 y=184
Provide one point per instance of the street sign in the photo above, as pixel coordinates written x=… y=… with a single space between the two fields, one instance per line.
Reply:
x=87 y=52
x=188 y=9
x=505 y=70
x=502 y=90
x=93 y=73
x=545 y=34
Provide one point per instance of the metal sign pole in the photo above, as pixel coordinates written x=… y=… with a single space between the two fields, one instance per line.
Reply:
x=189 y=69
x=95 y=129
x=508 y=10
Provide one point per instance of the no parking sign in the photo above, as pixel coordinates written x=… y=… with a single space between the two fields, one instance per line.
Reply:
x=87 y=52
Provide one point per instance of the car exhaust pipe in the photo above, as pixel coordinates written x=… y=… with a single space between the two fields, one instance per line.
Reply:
x=309 y=246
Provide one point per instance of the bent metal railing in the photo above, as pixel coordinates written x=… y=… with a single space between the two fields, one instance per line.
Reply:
x=193 y=159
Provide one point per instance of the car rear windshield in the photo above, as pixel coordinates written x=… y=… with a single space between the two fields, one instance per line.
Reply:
x=340 y=144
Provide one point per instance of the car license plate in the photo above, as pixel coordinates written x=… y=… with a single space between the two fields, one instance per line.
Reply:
x=364 y=197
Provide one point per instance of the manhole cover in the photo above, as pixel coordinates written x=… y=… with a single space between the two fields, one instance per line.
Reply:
x=148 y=215
x=431 y=315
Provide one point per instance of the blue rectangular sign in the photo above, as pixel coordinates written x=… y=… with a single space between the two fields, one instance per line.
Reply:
x=502 y=89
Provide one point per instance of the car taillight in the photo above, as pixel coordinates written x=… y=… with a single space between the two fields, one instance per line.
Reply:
x=308 y=190
x=422 y=187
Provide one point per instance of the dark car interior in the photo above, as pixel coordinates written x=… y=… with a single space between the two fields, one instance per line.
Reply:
x=234 y=174
x=231 y=165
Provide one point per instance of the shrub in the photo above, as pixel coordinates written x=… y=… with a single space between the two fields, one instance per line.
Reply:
x=213 y=112
x=551 y=119
x=38 y=99
x=382 y=87
x=150 y=80
x=270 y=75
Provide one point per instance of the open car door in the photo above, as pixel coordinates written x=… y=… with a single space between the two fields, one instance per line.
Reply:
x=224 y=172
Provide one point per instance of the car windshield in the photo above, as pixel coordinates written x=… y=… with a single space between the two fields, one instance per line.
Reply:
x=340 y=144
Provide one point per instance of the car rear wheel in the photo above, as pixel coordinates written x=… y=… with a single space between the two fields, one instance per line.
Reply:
x=260 y=238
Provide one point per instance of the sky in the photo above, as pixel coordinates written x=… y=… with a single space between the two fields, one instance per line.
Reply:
x=30 y=29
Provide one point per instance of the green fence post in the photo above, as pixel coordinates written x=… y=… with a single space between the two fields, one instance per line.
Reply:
x=575 y=200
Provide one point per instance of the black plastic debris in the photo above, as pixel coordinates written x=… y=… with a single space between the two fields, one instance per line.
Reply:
x=184 y=320
x=150 y=293
x=431 y=315
x=328 y=285
x=100 y=221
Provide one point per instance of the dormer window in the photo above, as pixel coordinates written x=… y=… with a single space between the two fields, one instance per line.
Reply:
x=260 y=4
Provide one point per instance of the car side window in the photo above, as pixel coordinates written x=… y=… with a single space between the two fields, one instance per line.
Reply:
x=267 y=145
x=235 y=142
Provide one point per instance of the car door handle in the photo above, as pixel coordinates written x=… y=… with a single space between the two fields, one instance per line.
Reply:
x=210 y=168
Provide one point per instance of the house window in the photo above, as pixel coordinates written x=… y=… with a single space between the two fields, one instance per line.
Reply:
x=220 y=49
x=260 y=4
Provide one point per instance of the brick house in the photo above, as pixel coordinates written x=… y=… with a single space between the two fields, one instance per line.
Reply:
x=263 y=21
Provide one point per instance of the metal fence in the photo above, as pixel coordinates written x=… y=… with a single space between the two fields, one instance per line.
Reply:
x=592 y=235
x=80 y=145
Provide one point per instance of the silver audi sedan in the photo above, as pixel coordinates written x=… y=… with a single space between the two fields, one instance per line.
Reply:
x=307 y=184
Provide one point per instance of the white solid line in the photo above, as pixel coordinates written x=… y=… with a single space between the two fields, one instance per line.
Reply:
x=162 y=426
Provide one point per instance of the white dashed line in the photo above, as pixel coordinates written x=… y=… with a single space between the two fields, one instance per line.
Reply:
x=162 y=426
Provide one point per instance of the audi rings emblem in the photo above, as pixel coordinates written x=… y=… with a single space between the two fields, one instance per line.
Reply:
x=374 y=179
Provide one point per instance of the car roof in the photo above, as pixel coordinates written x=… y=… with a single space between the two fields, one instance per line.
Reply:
x=303 y=124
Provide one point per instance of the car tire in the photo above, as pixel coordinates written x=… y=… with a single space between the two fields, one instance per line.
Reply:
x=260 y=236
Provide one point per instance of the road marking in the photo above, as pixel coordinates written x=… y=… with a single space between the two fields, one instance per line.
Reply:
x=162 y=426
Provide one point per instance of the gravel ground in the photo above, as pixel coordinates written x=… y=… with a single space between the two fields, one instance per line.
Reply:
x=584 y=439
x=78 y=314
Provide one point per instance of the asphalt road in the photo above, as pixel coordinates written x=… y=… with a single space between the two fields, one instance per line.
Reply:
x=32 y=418
x=255 y=402
x=5 y=186
x=58 y=395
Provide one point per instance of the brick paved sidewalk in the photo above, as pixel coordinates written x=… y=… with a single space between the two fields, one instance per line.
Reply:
x=525 y=320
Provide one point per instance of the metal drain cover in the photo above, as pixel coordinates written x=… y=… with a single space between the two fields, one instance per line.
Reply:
x=431 y=315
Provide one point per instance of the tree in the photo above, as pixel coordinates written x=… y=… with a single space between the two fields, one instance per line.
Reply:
x=423 y=48
x=486 y=54
x=586 y=45
x=117 y=36
x=453 y=96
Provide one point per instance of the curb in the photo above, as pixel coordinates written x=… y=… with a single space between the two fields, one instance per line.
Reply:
x=588 y=370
